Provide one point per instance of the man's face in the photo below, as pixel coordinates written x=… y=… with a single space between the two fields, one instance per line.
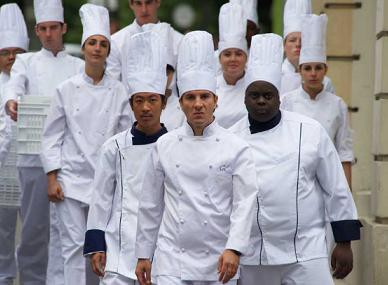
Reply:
x=50 y=35
x=8 y=57
x=252 y=30
x=292 y=46
x=146 y=11
x=96 y=49
x=147 y=108
x=313 y=74
x=198 y=106
x=262 y=101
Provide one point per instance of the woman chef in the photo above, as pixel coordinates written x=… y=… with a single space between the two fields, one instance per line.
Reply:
x=87 y=109
x=288 y=239
x=200 y=186
x=233 y=54
x=294 y=12
x=311 y=99
x=112 y=221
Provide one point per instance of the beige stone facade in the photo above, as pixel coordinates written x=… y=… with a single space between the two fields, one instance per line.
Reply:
x=358 y=67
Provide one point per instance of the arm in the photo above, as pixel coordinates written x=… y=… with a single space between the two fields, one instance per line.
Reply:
x=16 y=86
x=244 y=197
x=53 y=134
x=151 y=207
x=344 y=142
x=340 y=206
x=104 y=185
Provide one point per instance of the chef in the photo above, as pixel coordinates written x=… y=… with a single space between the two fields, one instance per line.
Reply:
x=13 y=40
x=288 y=235
x=110 y=239
x=294 y=12
x=172 y=116
x=199 y=188
x=86 y=110
x=233 y=54
x=37 y=74
x=312 y=99
x=146 y=12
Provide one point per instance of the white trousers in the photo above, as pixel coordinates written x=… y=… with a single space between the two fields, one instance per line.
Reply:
x=8 y=218
x=55 y=270
x=111 y=278
x=170 y=280
x=72 y=216
x=312 y=272
x=32 y=252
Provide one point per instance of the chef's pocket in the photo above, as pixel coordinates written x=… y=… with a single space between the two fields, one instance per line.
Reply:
x=221 y=192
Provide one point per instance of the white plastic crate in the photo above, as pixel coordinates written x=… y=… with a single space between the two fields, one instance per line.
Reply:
x=9 y=193
x=32 y=113
x=8 y=172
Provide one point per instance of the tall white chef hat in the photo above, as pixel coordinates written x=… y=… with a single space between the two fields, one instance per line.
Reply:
x=265 y=60
x=165 y=35
x=313 y=39
x=95 y=21
x=294 y=12
x=146 y=63
x=13 y=30
x=48 y=10
x=232 y=25
x=250 y=9
x=196 y=63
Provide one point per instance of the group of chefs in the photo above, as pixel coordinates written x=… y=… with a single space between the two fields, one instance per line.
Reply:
x=166 y=162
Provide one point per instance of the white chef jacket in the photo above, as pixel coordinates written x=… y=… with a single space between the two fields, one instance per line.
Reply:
x=328 y=109
x=201 y=191
x=5 y=122
x=230 y=106
x=112 y=219
x=291 y=80
x=38 y=74
x=299 y=176
x=81 y=118
x=116 y=62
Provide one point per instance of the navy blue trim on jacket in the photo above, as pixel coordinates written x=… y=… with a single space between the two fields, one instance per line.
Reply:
x=94 y=241
x=140 y=138
x=346 y=230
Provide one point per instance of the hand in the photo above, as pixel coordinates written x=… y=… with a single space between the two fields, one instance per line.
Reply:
x=342 y=260
x=54 y=190
x=98 y=262
x=143 y=271
x=11 y=107
x=228 y=265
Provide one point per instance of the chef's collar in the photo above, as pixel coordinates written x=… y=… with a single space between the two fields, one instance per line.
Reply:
x=140 y=138
x=257 y=127
x=239 y=84
x=207 y=132
x=307 y=96
x=49 y=53
x=4 y=77
x=90 y=81
x=288 y=66
x=138 y=27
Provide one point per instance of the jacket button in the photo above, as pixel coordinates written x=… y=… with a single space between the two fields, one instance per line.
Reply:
x=180 y=192
x=206 y=194
x=182 y=221
x=205 y=222
x=177 y=166
x=210 y=166
x=217 y=139
x=182 y=249
x=207 y=251
x=180 y=139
